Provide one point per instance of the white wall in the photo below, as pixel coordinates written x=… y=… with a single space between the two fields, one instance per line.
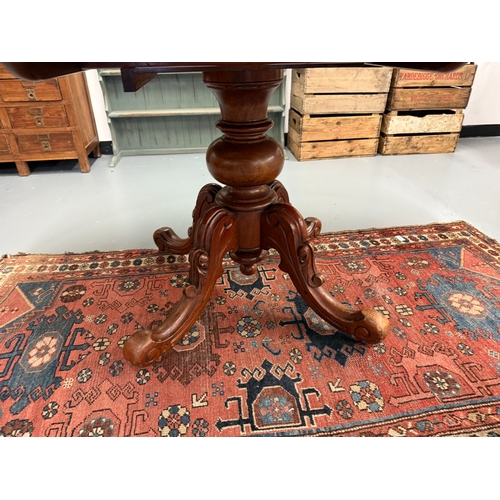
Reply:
x=484 y=103
x=98 y=105
x=483 y=108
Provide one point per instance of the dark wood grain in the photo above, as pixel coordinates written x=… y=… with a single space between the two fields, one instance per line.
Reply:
x=44 y=70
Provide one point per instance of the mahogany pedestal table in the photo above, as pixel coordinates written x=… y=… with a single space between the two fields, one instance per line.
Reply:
x=246 y=216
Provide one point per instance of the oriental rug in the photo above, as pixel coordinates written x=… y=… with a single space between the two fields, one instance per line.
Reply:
x=258 y=362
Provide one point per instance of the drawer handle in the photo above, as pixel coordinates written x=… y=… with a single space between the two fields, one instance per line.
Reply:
x=30 y=92
x=39 y=121
x=45 y=140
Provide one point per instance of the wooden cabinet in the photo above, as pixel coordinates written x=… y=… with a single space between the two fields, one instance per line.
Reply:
x=48 y=120
x=173 y=113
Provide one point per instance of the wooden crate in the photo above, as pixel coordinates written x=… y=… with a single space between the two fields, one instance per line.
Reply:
x=340 y=90
x=414 y=90
x=336 y=112
x=424 y=111
x=463 y=77
x=401 y=99
x=316 y=137
x=420 y=132
x=346 y=80
x=417 y=144
x=320 y=91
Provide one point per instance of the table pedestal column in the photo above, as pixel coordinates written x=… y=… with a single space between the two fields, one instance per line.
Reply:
x=246 y=217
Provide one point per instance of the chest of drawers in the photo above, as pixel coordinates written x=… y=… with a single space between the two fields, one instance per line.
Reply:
x=47 y=120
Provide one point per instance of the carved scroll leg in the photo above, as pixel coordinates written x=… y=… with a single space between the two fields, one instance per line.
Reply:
x=214 y=236
x=284 y=229
x=165 y=238
x=281 y=191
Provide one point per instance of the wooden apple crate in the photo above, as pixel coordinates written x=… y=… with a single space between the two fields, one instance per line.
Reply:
x=318 y=137
x=425 y=111
x=412 y=90
x=337 y=112
x=412 y=132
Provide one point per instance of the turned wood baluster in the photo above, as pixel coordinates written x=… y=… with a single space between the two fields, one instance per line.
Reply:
x=245 y=158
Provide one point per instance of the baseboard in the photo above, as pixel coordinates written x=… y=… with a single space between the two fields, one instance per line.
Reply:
x=467 y=131
x=106 y=147
x=480 y=130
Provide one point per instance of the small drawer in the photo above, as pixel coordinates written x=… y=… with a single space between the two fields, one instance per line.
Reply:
x=57 y=142
x=37 y=117
x=21 y=91
x=4 y=145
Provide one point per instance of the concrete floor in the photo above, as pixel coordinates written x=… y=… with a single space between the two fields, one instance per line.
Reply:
x=58 y=209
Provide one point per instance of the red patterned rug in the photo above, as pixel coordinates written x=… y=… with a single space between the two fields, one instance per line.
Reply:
x=258 y=362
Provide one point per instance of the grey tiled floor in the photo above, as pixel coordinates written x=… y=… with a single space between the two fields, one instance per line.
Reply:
x=58 y=209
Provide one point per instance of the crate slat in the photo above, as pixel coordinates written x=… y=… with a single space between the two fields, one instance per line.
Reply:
x=417 y=144
x=328 y=104
x=347 y=80
x=463 y=77
x=428 y=98
x=333 y=149
x=329 y=128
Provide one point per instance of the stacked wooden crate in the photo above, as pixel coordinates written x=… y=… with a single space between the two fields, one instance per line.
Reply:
x=425 y=111
x=337 y=112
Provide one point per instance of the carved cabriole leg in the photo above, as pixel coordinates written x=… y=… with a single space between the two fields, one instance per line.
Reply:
x=284 y=229
x=215 y=234
x=165 y=238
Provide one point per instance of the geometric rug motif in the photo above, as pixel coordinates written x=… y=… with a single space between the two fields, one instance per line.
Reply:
x=259 y=361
